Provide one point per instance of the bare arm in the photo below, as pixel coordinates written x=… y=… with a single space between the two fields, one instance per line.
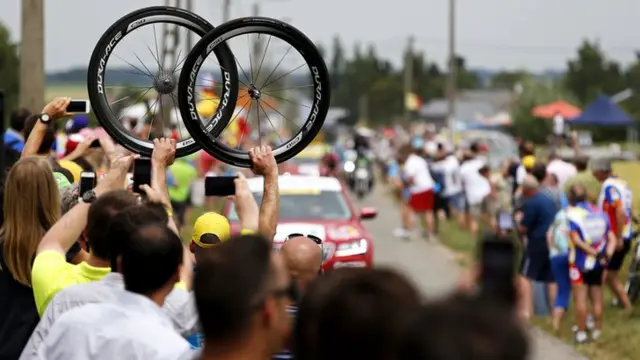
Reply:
x=56 y=109
x=575 y=238
x=264 y=163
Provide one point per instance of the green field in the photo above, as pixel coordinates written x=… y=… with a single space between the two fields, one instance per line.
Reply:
x=75 y=91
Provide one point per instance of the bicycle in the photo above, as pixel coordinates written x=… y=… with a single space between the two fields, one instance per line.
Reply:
x=632 y=285
x=191 y=86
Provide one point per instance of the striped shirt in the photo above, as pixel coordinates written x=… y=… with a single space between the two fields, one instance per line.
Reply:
x=286 y=353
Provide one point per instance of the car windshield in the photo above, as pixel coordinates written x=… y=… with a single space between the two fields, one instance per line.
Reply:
x=322 y=205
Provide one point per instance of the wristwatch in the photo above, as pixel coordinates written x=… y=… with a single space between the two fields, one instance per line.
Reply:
x=89 y=197
x=45 y=118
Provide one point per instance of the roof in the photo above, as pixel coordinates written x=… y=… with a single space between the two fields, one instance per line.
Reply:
x=298 y=182
x=499 y=99
x=465 y=110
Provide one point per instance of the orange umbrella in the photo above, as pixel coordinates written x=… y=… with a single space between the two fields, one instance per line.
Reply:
x=561 y=108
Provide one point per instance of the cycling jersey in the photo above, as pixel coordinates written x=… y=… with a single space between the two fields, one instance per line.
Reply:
x=615 y=193
x=592 y=226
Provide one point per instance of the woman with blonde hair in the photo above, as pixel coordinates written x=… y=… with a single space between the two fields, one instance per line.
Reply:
x=31 y=207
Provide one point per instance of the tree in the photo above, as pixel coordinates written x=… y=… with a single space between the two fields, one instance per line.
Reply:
x=465 y=79
x=336 y=68
x=591 y=73
x=508 y=79
x=9 y=71
x=534 y=93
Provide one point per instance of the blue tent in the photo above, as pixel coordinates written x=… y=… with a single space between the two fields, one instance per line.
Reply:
x=603 y=112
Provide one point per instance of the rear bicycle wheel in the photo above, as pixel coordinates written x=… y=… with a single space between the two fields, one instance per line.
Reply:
x=147 y=90
x=257 y=94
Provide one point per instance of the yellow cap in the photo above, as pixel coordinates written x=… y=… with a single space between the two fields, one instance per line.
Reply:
x=210 y=224
x=528 y=161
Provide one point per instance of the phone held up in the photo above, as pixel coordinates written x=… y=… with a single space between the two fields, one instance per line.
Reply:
x=497 y=269
x=141 y=173
x=79 y=107
x=219 y=185
x=87 y=182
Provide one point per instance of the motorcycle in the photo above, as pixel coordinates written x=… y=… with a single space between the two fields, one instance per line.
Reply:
x=359 y=177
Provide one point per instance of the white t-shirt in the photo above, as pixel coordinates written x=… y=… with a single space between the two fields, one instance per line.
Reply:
x=476 y=186
x=417 y=168
x=450 y=168
x=558 y=125
x=430 y=147
x=521 y=172
x=562 y=170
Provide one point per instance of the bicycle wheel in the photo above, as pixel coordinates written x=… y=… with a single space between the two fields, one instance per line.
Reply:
x=130 y=113
x=258 y=92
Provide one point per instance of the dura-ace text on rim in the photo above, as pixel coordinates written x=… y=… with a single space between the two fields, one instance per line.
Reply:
x=104 y=50
x=222 y=106
x=298 y=41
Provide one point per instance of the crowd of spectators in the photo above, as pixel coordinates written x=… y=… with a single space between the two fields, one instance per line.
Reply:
x=106 y=274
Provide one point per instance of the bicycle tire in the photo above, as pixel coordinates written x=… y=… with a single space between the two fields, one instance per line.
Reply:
x=207 y=136
x=103 y=50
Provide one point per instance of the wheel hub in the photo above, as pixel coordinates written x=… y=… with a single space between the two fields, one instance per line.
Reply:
x=164 y=82
x=254 y=93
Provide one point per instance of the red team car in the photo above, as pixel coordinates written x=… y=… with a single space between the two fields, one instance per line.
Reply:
x=318 y=206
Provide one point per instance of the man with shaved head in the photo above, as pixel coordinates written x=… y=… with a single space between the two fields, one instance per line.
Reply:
x=303 y=259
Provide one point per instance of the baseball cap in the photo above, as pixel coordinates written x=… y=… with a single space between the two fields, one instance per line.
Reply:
x=210 y=229
x=76 y=124
x=528 y=161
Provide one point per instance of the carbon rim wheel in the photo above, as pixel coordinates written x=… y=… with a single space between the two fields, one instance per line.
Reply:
x=255 y=90
x=157 y=99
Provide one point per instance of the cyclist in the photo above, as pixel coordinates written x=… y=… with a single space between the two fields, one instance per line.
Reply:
x=616 y=201
x=330 y=162
x=591 y=247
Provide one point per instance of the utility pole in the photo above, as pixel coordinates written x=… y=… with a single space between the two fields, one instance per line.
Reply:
x=408 y=78
x=32 y=55
x=189 y=7
x=363 y=109
x=451 y=85
x=226 y=10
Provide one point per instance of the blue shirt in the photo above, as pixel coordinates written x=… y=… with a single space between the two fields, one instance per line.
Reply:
x=393 y=170
x=539 y=213
x=14 y=140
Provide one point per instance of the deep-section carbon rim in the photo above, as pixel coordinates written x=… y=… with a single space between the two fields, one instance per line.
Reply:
x=208 y=136
x=103 y=51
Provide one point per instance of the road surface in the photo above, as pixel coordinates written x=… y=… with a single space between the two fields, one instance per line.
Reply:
x=433 y=269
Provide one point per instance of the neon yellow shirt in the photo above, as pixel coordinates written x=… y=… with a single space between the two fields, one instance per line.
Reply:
x=51 y=273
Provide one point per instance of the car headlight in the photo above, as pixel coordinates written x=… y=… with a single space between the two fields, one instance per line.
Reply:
x=351 y=248
x=349 y=166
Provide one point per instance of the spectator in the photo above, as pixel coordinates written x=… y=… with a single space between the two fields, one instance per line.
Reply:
x=183 y=173
x=31 y=207
x=539 y=171
x=50 y=272
x=476 y=188
x=69 y=197
x=177 y=306
x=453 y=186
x=539 y=211
x=14 y=136
x=133 y=325
x=399 y=179
x=303 y=259
x=464 y=327
x=245 y=318
x=421 y=185
x=361 y=314
x=585 y=178
x=593 y=244
x=616 y=201
x=560 y=168
x=558 y=243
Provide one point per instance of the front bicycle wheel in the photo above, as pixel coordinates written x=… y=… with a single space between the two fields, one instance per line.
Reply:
x=268 y=98
x=142 y=103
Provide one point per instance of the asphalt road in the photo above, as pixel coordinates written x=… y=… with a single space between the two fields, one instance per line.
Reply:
x=433 y=269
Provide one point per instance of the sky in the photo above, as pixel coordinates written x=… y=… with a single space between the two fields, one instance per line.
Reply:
x=495 y=34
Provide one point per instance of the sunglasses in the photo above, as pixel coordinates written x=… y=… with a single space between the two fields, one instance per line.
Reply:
x=315 y=239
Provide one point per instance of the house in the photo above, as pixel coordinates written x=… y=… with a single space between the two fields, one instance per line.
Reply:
x=471 y=106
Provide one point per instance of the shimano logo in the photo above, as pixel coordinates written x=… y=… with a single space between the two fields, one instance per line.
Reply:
x=190 y=88
x=225 y=99
x=318 y=96
x=103 y=60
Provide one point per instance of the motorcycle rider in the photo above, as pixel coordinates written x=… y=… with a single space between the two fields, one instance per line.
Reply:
x=364 y=157
x=330 y=162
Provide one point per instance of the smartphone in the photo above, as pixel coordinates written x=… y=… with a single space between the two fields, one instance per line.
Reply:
x=141 y=173
x=87 y=181
x=505 y=221
x=79 y=106
x=497 y=265
x=219 y=185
